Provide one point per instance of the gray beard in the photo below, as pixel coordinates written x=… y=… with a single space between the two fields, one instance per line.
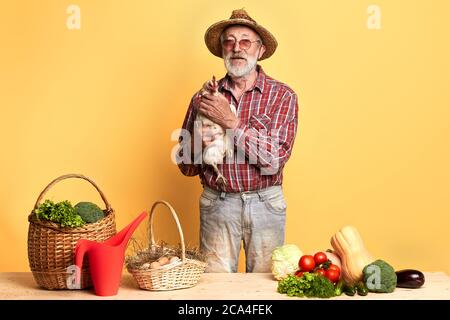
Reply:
x=240 y=71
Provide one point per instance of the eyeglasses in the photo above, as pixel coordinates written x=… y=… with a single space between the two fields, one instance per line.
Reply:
x=244 y=44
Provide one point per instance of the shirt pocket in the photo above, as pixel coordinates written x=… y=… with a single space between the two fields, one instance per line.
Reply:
x=260 y=121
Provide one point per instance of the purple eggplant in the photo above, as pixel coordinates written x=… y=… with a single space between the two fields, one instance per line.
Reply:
x=409 y=278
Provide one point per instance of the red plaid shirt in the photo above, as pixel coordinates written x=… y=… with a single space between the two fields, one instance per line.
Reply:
x=268 y=119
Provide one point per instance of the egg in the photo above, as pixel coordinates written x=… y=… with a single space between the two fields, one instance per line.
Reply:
x=155 y=265
x=163 y=260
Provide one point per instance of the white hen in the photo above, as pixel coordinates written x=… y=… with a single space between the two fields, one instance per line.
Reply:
x=221 y=144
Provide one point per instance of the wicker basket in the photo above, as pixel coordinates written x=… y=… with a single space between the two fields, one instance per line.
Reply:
x=51 y=247
x=179 y=275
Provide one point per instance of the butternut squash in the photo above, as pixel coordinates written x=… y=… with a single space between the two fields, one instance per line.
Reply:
x=354 y=257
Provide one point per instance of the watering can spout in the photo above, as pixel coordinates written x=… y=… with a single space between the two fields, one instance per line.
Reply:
x=106 y=258
x=122 y=238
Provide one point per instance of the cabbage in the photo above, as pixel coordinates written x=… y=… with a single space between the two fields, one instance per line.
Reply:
x=285 y=260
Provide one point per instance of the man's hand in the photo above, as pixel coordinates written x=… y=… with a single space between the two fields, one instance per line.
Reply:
x=218 y=110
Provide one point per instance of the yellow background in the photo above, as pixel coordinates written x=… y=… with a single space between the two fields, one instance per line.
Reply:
x=373 y=143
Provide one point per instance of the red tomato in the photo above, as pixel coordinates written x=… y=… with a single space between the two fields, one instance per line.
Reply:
x=332 y=275
x=320 y=257
x=321 y=272
x=334 y=267
x=306 y=263
x=299 y=273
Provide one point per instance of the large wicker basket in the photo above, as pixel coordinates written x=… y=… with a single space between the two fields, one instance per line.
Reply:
x=51 y=247
x=184 y=274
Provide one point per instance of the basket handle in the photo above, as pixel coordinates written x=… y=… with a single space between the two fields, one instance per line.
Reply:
x=68 y=176
x=175 y=217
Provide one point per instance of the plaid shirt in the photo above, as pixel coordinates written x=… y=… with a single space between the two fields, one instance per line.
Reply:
x=263 y=139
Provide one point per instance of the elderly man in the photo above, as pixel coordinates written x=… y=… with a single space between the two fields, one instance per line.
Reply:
x=251 y=208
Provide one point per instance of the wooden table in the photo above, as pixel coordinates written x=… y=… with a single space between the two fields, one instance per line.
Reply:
x=212 y=286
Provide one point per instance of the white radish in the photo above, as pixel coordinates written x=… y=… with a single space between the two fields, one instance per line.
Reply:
x=335 y=259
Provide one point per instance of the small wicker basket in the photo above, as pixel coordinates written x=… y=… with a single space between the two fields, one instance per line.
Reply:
x=183 y=274
x=51 y=247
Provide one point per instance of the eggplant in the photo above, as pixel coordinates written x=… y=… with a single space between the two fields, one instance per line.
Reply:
x=409 y=278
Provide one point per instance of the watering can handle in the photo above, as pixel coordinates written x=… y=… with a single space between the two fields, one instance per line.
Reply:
x=68 y=176
x=174 y=215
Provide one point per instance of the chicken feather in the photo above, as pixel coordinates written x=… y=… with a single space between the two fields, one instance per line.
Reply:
x=222 y=146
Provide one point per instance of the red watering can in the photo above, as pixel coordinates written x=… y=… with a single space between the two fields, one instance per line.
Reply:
x=106 y=258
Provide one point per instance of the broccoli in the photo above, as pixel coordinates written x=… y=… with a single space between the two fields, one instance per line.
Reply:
x=89 y=212
x=379 y=276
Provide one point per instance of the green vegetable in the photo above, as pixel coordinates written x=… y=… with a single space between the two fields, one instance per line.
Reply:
x=285 y=260
x=361 y=289
x=89 y=212
x=62 y=213
x=309 y=285
x=379 y=276
x=349 y=289
x=339 y=288
x=293 y=286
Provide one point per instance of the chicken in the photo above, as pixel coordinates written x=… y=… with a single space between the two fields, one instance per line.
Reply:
x=221 y=144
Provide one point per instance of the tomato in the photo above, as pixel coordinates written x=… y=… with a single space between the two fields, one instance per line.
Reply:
x=321 y=272
x=334 y=267
x=320 y=257
x=299 y=273
x=332 y=275
x=306 y=263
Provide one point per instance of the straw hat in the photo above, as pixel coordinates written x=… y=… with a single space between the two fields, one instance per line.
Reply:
x=240 y=17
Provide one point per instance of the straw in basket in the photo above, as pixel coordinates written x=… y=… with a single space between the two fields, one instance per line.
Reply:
x=51 y=247
x=183 y=274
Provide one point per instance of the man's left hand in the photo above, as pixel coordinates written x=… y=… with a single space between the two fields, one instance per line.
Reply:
x=218 y=110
